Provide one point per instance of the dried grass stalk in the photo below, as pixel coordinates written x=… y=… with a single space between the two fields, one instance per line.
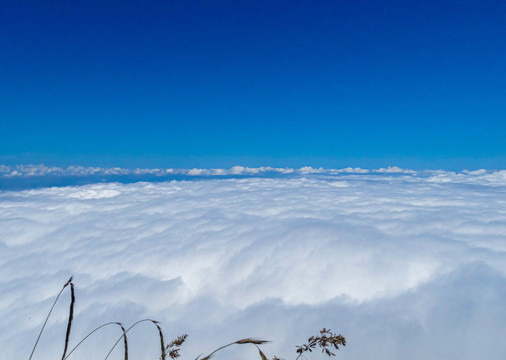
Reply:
x=326 y=340
x=48 y=315
x=71 y=317
x=125 y=341
x=162 y=343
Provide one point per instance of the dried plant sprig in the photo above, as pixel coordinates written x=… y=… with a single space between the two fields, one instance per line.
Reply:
x=327 y=339
x=48 y=315
x=174 y=346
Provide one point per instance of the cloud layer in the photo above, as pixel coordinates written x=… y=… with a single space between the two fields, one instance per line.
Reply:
x=43 y=170
x=404 y=264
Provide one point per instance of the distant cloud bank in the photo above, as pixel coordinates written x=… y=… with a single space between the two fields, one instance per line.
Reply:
x=406 y=264
x=43 y=170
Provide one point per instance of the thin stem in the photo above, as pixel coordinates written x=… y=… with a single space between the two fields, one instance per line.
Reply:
x=87 y=336
x=218 y=349
x=47 y=317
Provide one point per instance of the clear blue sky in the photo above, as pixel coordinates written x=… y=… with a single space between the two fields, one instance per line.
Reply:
x=283 y=83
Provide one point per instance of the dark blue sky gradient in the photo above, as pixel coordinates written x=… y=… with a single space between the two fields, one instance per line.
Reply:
x=281 y=83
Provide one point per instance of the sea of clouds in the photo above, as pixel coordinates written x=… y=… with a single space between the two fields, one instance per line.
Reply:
x=405 y=264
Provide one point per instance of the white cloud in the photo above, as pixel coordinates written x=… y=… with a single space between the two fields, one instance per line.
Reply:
x=404 y=265
x=77 y=171
x=394 y=169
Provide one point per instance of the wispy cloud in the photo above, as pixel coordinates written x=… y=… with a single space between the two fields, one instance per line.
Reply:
x=405 y=264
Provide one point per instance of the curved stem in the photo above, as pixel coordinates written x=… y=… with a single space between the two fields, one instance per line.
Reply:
x=127 y=330
x=87 y=336
x=218 y=349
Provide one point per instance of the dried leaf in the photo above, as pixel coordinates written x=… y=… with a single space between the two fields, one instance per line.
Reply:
x=251 y=341
x=262 y=355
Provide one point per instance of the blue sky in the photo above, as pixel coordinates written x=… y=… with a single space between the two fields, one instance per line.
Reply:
x=279 y=83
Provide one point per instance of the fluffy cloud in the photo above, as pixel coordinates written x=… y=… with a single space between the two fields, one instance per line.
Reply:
x=404 y=264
